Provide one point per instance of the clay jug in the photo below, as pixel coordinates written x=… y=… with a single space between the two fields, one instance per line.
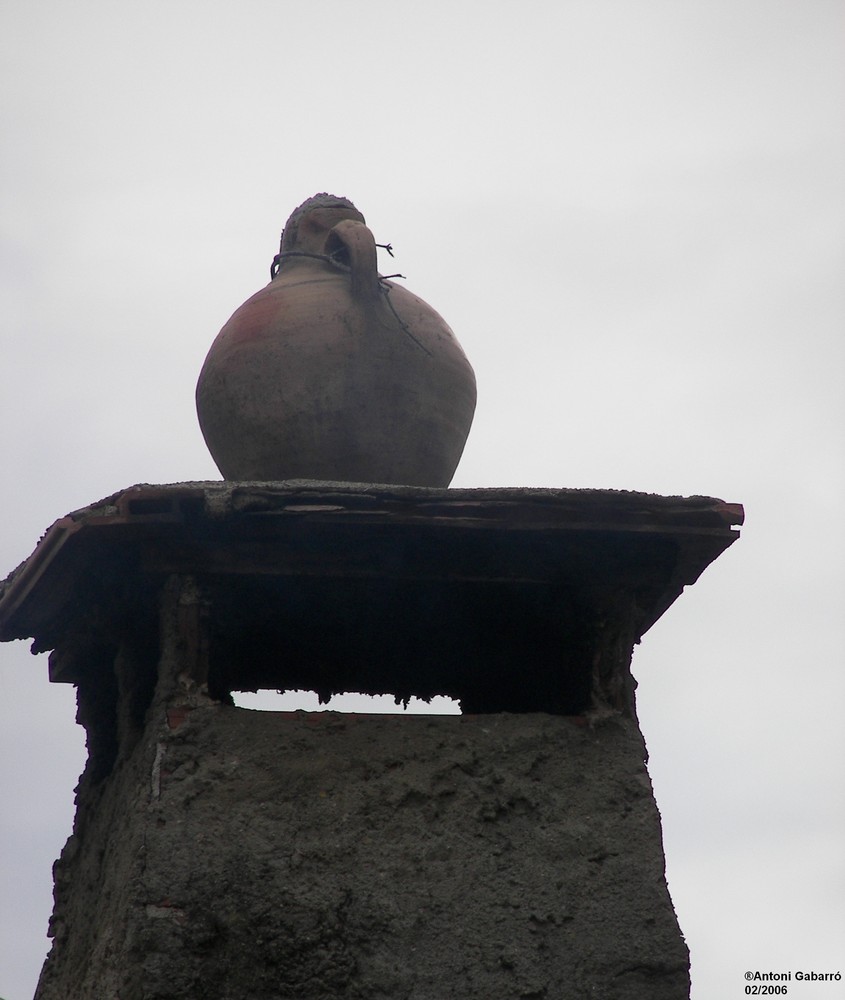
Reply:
x=332 y=372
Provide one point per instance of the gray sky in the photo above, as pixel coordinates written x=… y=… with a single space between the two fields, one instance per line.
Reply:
x=631 y=213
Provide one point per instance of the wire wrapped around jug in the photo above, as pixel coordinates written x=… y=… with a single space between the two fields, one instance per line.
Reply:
x=276 y=266
x=276 y=263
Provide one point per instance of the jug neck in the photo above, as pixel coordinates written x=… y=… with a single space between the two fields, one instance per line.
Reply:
x=308 y=232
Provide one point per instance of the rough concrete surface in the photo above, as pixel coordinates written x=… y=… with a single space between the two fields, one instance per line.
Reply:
x=261 y=856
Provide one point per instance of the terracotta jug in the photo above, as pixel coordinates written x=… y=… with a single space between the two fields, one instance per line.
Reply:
x=332 y=372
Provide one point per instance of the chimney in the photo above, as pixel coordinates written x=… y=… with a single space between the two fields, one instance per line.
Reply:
x=219 y=853
x=512 y=851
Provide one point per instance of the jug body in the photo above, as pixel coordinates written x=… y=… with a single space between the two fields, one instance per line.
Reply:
x=333 y=373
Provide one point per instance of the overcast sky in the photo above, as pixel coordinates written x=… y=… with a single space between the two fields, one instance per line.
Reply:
x=631 y=213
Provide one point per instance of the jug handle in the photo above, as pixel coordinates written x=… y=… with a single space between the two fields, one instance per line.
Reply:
x=352 y=243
